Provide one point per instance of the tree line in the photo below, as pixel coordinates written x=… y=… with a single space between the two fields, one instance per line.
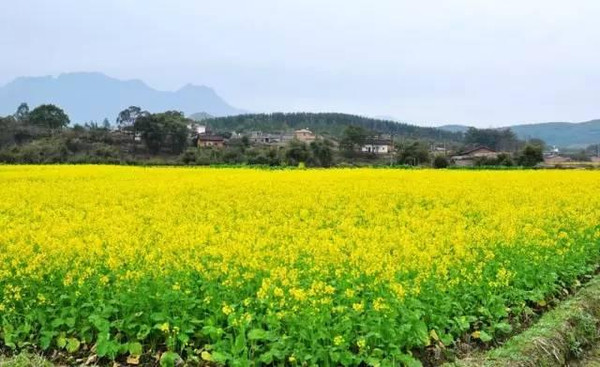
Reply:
x=45 y=135
x=327 y=124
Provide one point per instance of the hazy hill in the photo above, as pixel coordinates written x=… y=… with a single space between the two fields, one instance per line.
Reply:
x=332 y=124
x=562 y=134
x=94 y=96
x=200 y=116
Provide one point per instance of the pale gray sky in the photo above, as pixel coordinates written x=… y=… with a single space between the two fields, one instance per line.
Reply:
x=481 y=62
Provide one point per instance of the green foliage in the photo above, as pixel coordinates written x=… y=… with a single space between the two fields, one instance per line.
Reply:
x=322 y=153
x=497 y=139
x=412 y=153
x=296 y=152
x=127 y=118
x=580 y=156
x=48 y=116
x=163 y=129
x=531 y=155
x=22 y=114
x=332 y=124
x=353 y=138
x=440 y=162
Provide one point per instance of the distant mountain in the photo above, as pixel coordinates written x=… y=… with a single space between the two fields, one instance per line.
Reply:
x=562 y=134
x=200 y=116
x=331 y=124
x=95 y=96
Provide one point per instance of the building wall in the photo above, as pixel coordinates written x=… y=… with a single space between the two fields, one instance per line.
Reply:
x=304 y=136
x=373 y=148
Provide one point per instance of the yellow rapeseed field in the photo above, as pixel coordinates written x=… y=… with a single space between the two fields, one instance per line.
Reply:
x=303 y=267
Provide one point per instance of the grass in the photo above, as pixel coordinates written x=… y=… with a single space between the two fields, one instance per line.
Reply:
x=25 y=360
x=559 y=337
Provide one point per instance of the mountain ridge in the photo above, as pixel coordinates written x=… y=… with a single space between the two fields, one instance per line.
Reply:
x=93 y=96
x=562 y=134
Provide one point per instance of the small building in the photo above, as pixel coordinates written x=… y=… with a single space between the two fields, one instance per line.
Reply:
x=197 y=129
x=468 y=157
x=207 y=140
x=305 y=135
x=259 y=137
x=377 y=146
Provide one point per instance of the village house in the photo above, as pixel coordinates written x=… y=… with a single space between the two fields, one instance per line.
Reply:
x=208 y=140
x=468 y=157
x=378 y=146
x=305 y=135
x=438 y=151
x=259 y=137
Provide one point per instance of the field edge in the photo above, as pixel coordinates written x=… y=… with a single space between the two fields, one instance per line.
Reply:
x=560 y=336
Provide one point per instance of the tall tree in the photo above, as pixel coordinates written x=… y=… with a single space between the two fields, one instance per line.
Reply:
x=498 y=139
x=22 y=114
x=160 y=129
x=296 y=152
x=49 y=116
x=531 y=155
x=127 y=118
x=322 y=152
x=353 y=138
x=412 y=152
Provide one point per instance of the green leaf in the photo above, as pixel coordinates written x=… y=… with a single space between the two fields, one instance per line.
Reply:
x=61 y=341
x=168 y=359
x=46 y=339
x=446 y=339
x=484 y=337
x=258 y=334
x=135 y=349
x=503 y=327
x=73 y=345
x=219 y=357
x=266 y=358
x=57 y=322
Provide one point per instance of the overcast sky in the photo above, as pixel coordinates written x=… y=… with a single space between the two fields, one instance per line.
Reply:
x=479 y=62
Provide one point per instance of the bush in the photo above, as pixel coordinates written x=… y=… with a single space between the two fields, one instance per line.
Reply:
x=440 y=162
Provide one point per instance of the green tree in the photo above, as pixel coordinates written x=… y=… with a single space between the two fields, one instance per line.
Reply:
x=163 y=129
x=581 y=156
x=127 y=118
x=531 y=155
x=49 y=116
x=296 y=152
x=504 y=159
x=440 y=162
x=498 y=139
x=7 y=131
x=176 y=130
x=353 y=138
x=412 y=152
x=322 y=152
x=22 y=114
